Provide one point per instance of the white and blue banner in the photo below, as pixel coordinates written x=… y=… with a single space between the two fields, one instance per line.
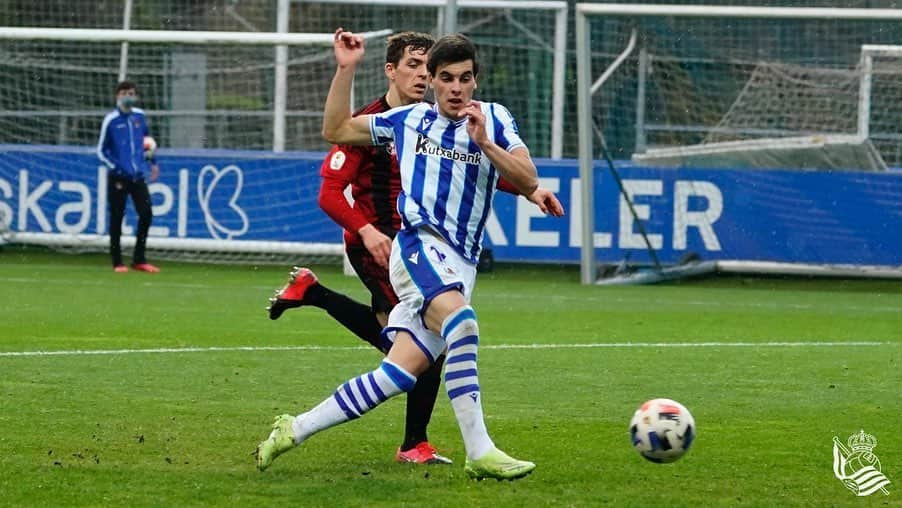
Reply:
x=200 y=194
x=749 y=215
x=781 y=216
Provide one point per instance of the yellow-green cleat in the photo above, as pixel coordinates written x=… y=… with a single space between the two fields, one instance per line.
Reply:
x=280 y=440
x=498 y=465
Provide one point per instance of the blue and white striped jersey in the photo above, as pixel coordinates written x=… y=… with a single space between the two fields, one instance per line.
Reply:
x=446 y=180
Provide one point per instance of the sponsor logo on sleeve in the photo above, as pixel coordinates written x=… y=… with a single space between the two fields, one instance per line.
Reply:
x=337 y=160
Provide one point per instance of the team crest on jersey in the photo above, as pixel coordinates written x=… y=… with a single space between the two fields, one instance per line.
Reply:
x=425 y=147
x=337 y=160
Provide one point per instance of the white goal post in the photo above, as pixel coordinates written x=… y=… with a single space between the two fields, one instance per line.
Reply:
x=586 y=52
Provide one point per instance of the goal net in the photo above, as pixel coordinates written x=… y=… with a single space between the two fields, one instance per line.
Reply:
x=702 y=81
x=237 y=121
x=709 y=87
x=791 y=116
x=522 y=50
x=223 y=195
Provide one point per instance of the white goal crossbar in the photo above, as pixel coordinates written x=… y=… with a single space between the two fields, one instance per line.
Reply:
x=723 y=11
x=171 y=36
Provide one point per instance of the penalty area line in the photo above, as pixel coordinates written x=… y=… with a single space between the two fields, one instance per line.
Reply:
x=232 y=349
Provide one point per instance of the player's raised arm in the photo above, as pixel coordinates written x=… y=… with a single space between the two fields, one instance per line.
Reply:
x=339 y=127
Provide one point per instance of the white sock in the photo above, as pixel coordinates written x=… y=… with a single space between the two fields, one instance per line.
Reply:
x=461 y=333
x=354 y=398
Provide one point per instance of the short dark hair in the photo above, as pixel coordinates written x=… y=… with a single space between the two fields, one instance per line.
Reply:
x=126 y=85
x=397 y=43
x=452 y=48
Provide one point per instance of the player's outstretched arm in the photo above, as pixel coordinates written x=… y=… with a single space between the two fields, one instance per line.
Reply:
x=543 y=198
x=516 y=166
x=338 y=125
x=547 y=202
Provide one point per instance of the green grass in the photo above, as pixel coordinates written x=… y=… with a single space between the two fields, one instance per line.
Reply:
x=177 y=428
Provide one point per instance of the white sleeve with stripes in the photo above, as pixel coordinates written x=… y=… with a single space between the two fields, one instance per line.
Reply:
x=102 y=141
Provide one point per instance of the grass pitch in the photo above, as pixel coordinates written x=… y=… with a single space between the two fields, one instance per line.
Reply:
x=152 y=390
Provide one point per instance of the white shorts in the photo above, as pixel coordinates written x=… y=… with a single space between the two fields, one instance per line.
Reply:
x=423 y=266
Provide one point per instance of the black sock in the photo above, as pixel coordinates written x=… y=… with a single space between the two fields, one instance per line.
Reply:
x=355 y=316
x=420 y=402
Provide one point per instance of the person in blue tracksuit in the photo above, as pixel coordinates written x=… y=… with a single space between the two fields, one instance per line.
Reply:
x=121 y=148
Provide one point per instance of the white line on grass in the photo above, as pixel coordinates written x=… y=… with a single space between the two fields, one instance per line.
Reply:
x=85 y=352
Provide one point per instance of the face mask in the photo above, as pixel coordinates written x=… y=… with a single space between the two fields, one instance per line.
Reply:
x=127 y=101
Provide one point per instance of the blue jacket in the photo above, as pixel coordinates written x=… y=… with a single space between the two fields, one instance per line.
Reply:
x=121 y=144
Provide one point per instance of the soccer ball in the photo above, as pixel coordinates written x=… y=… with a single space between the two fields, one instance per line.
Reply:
x=150 y=146
x=662 y=430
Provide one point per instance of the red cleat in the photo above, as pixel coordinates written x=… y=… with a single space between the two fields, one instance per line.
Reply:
x=422 y=453
x=145 y=267
x=292 y=294
x=120 y=269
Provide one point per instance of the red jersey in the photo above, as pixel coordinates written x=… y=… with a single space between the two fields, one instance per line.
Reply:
x=375 y=180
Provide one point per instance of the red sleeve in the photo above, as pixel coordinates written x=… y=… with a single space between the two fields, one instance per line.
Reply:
x=504 y=185
x=338 y=170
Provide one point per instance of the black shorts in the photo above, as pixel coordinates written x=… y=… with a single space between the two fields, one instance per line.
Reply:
x=374 y=277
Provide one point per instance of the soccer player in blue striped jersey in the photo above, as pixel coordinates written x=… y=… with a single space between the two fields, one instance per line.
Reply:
x=451 y=155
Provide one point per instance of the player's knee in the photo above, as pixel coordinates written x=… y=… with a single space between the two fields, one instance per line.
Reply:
x=441 y=307
x=460 y=323
x=400 y=379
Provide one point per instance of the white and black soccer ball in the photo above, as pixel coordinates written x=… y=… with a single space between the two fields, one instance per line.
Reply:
x=662 y=430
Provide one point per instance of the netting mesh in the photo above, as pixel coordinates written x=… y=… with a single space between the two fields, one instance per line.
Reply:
x=709 y=80
x=200 y=96
x=226 y=91
x=221 y=96
x=785 y=99
x=886 y=107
